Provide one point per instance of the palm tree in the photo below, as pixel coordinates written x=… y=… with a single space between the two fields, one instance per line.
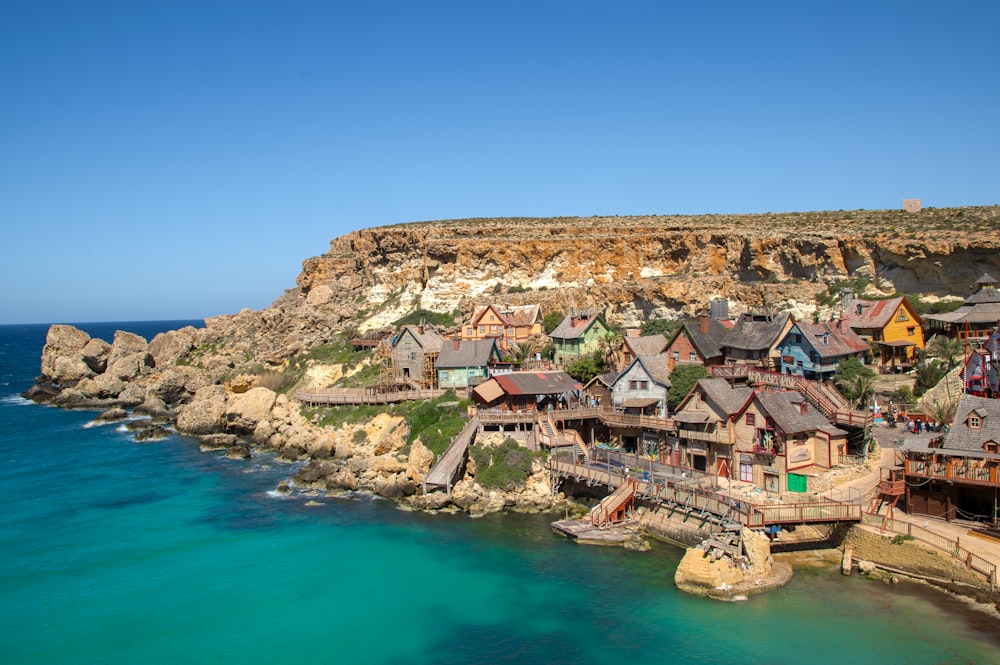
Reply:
x=947 y=348
x=861 y=387
x=609 y=345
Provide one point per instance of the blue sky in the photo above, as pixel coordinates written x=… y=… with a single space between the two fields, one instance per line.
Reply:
x=176 y=159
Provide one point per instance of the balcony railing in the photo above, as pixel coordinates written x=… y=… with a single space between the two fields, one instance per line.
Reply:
x=953 y=468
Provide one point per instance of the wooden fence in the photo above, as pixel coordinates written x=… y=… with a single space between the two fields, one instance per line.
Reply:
x=954 y=548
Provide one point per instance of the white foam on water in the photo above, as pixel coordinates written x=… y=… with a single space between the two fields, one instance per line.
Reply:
x=15 y=399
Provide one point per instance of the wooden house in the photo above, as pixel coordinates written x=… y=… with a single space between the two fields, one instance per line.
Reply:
x=698 y=342
x=977 y=316
x=957 y=476
x=892 y=327
x=528 y=391
x=772 y=440
x=642 y=387
x=813 y=350
x=635 y=345
x=414 y=356
x=578 y=335
x=508 y=324
x=465 y=363
x=754 y=338
x=597 y=391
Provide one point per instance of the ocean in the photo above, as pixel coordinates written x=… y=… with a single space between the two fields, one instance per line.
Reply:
x=117 y=552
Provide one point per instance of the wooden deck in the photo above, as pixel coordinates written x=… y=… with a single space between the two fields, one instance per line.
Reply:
x=357 y=397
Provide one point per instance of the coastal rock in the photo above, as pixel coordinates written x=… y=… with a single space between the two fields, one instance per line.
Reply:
x=263 y=432
x=169 y=347
x=698 y=574
x=62 y=355
x=465 y=493
x=150 y=433
x=240 y=451
x=131 y=396
x=106 y=385
x=206 y=414
x=178 y=384
x=342 y=479
x=421 y=459
x=387 y=465
x=112 y=415
x=245 y=410
x=431 y=501
x=129 y=356
x=95 y=355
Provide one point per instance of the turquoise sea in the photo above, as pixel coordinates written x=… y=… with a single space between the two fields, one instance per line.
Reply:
x=114 y=552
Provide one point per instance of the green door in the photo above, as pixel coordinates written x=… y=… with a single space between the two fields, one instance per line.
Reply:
x=796 y=482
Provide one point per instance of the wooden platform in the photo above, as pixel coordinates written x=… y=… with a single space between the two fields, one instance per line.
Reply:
x=585 y=533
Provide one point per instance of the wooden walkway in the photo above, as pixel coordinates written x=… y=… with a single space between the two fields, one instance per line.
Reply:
x=687 y=496
x=450 y=463
x=363 y=396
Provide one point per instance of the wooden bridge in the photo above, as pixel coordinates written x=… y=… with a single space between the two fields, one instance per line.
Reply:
x=694 y=497
x=449 y=465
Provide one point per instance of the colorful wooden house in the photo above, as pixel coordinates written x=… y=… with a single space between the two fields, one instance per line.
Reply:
x=698 y=342
x=958 y=476
x=414 y=356
x=528 y=391
x=982 y=367
x=813 y=350
x=635 y=345
x=754 y=338
x=465 y=363
x=578 y=335
x=508 y=324
x=892 y=327
x=642 y=387
x=772 y=440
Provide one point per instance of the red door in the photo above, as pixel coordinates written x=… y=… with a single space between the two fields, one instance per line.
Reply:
x=723 y=467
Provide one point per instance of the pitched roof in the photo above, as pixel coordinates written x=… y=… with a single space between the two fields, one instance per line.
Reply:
x=708 y=345
x=647 y=345
x=987 y=294
x=785 y=409
x=606 y=379
x=566 y=330
x=963 y=437
x=470 y=353
x=756 y=331
x=840 y=339
x=427 y=337
x=728 y=398
x=536 y=383
x=657 y=367
x=511 y=315
x=986 y=279
x=867 y=314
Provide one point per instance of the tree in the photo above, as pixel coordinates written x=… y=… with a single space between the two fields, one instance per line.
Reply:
x=929 y=373
x=551 y=321
x=855 y=381
x=947 y=349
x=586 y=368
x=682 y=379
x=608 y=344
x=659 y=326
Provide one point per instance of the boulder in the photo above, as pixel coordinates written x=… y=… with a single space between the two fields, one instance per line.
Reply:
x=431 y=501
x=128 y=367
x=421 y=458
x=217 y=441
x=112 y=415
x=465 y=493
x=95 y=355
x=698 y=574
x=169 y=347
x=151 y=433
x=108 y=385
x=245 y=410
x=342 y=479
x=387 y=465
x=125 y=345
x=206 y=414
x=263 y=432
x=62 y=355
x=131 y=396
x=238 y=451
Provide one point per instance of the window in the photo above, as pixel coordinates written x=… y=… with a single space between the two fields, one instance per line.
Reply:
x=693 y=357
x=491 y=318
x=746 y=473
x=482 y=330
x=797 y=338
x=751 y=420
x=902 y=315
x=911 y=331
x=633 y=385
x=468 y=331
x=975 y=422
x=644 y=385
x=677 y=355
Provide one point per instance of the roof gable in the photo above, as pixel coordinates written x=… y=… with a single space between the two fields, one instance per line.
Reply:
x=469 y=353
x=576 y=326
x=964 y=437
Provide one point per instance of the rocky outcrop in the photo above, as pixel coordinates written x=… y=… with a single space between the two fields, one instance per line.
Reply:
x=703 y=571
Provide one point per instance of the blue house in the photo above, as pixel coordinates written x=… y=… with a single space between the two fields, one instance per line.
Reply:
x=812 y=350
x=466 y=363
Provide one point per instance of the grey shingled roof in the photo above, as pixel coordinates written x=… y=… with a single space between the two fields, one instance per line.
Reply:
x=470 y=353
x=963 y=437
x=566 y=329
x=429 y=340
x=728 y=398
x=647 y=345
x=841 y=340
x=785 y=409
x=657 y=367
x=756 y=332
x=708 y=345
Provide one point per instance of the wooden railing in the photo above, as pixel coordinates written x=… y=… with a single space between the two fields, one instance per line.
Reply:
x=954 y=468
x=363 y=396
x=698 y=435
x=954 y=548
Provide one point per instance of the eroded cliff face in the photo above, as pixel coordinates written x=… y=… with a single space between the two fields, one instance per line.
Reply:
x=637 y=267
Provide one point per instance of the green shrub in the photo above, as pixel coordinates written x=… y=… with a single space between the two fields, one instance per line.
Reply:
x=360 y=436
x=504 y=467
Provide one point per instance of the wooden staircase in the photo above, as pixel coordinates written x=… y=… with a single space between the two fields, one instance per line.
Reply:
x=891 y=487
x=616 y=507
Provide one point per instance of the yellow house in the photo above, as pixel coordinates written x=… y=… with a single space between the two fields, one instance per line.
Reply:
x=892 y=327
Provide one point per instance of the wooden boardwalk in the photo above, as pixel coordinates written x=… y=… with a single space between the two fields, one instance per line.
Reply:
x=687 y=495
x=362 y=396
x=444 y=473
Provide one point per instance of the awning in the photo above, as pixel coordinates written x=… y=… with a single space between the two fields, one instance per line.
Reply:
x=489 y=391
x=639 y=402
x=691 y=417
x=898 y=343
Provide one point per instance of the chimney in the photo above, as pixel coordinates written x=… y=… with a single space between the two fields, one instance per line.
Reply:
x=703 y=322
x=847 y=299
x=420 y=328
x=455 y=344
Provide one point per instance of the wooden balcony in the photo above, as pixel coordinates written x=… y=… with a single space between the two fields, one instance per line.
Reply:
x=698 y=435
x=955 y=468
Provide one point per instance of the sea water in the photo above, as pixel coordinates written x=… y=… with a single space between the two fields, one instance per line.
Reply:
x=117 y=552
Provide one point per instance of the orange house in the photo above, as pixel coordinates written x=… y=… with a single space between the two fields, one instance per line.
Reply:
x=507 y=324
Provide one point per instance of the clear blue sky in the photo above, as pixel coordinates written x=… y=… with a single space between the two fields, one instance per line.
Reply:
x=176 y=159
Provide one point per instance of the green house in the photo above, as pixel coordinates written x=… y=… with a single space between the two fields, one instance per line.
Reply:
x=578 y=335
